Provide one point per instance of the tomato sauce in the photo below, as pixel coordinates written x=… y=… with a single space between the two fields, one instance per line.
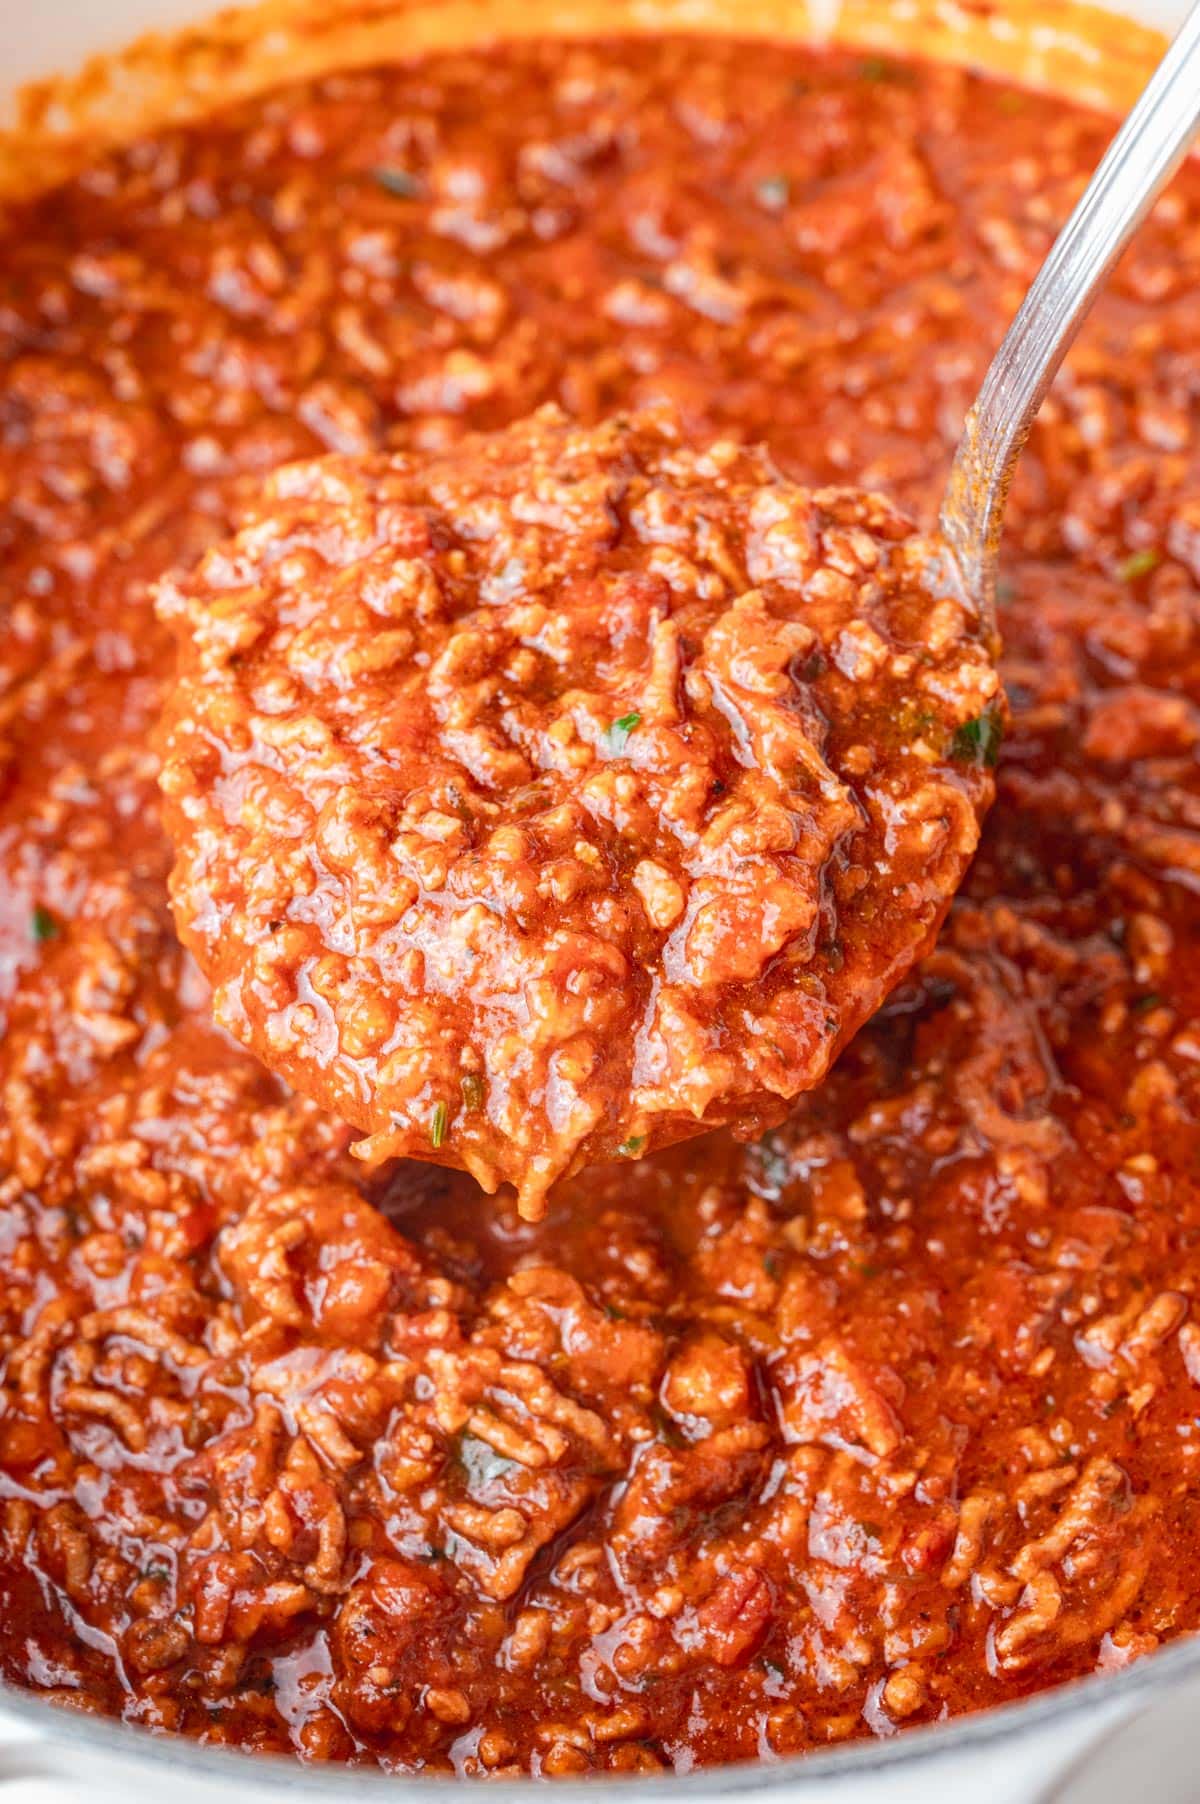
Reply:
x=743 y=1449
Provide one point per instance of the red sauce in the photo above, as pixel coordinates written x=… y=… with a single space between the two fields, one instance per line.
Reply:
x=741 y=1449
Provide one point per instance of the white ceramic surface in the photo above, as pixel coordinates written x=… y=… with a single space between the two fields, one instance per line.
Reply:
x=37 y=1769
x=39 y=37
x=1107 y=1744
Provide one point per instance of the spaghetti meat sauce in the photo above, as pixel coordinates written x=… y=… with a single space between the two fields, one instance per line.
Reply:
x=743 y=1449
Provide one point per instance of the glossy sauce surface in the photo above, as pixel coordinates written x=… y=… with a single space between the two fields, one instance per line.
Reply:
x=742 y=1450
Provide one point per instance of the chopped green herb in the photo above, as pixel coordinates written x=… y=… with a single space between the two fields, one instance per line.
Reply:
x=437 y=1126
x=1142 y=1005
x=1139 y=563
x=43 y=925
x=618 y=733
x=978 y=741
x=472 y=1091
x=156 y=1572
x=398 y=182
x=772 y=1264
x=774 y=191
x=632 y=1147
x=875 y=68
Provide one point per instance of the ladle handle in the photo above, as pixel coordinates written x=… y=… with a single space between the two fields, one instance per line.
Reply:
x=1136 y=167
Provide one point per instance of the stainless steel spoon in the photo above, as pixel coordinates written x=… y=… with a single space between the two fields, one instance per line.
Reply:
x=1136 y=167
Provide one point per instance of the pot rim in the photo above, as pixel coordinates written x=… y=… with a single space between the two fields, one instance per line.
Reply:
x=274 y=1773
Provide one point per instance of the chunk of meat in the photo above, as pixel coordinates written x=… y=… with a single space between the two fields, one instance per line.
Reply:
x=389 y=1629
x=321 y=1259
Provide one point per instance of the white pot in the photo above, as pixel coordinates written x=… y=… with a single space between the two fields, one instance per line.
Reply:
x=1101 y=1739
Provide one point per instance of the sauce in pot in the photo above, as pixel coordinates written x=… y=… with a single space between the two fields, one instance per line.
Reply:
x=742 y=1450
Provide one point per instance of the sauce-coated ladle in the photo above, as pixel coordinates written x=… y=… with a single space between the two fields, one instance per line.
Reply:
x=1139 y=162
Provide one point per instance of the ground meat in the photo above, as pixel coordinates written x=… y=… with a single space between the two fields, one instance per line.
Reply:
x=743 y=1449
x=568 y=793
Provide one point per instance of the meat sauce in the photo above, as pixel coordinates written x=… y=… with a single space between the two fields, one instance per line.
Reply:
x=743 y=1449
x=568 y=792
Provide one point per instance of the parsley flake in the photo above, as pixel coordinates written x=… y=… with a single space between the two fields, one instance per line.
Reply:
x=43 y=925
x=977 y=741
x=437 y=1126
x=398 y=182
x=619 y=731
x=1139 y=563
x=630 y=1148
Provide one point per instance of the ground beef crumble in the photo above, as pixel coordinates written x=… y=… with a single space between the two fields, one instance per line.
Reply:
x=743 y=1449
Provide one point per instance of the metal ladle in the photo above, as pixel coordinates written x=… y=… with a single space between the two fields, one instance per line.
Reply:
x=1139 y=162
